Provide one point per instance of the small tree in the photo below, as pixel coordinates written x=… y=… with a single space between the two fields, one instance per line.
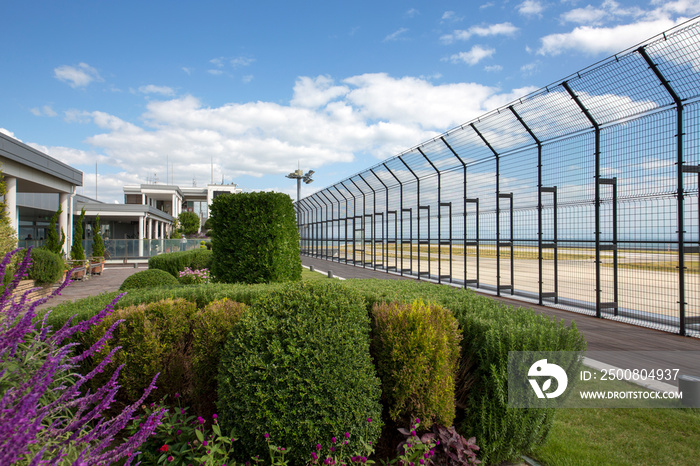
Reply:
x=8 y=235
x=52 y=242
x=189 y=222
x=98 y=244
x=76 y=250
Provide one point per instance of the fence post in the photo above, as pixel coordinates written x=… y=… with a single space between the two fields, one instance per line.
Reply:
x=417 y=218
x=401 y=269
x=372 y=227
x=385 y=256
x=464 y=210
x=680 y=169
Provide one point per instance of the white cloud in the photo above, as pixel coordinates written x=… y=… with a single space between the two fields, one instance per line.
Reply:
x=451 y=16
x=588 y=15
x=7 y=132
x=326 y=121
x=530 y=68
x=412 y=13
x=71 y=156
x=506 y=29
x=493 y=68
x=596 y=40
x=77 y=76
x=396 y=35
x=530 y=8
x=153 y=89
x=473 y=56
x=241 y=61
x=46 y=110
x=313 y=93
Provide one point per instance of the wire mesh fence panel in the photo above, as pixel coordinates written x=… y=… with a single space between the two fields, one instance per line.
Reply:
x=583 y=195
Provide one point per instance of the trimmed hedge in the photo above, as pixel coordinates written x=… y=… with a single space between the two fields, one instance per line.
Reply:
x=297 y=366
x=255 y=238
x=148 y=279
x=155 y=338
x=175 y=262
x=489 y=330
x=416 y=350
x=209 y=332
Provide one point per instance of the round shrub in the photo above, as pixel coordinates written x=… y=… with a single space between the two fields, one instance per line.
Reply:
x=47 y=267
x=416 y=349
x=148 y=279
x=297 y=366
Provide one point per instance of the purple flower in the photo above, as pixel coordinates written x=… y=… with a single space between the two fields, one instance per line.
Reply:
x=333 y=439
x=314 y=455
x=201 y=420
x=347 y=434
x=318 y=446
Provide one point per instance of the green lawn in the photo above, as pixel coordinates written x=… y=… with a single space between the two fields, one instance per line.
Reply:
x=622 y=436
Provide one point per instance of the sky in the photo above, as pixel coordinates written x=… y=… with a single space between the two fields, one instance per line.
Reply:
x=186 y=93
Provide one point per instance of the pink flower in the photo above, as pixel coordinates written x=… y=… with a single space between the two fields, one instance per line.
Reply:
x=164 y=448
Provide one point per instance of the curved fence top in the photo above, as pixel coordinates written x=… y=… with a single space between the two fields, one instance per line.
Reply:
x=621 y=87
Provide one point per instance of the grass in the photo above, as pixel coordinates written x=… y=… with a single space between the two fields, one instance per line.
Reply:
x=621 y=436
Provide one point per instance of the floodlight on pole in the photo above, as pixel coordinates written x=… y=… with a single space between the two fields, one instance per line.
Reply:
x=300 y=176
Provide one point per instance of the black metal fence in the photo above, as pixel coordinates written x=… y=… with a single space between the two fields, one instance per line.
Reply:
x=582 y=195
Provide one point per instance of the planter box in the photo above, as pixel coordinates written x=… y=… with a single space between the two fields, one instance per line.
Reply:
x=26 y=285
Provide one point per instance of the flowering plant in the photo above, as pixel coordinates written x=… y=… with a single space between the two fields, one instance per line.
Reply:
x=193 y=277
x=183 y=439
x=45 y=418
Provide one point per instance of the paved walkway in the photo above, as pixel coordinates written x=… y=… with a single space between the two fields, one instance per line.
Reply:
x=673 y=351
x=110 y=280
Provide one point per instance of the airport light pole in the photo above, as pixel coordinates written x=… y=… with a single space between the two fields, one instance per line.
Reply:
x=300 y=176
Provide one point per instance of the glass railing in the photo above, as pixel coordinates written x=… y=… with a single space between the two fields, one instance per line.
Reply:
x=132 y=248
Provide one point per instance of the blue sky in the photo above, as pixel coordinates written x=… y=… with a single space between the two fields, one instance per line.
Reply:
x=169 y=89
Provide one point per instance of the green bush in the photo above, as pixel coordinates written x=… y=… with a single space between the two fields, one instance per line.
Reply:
x=489 y=331
x=176 y=262
x=416 y=350
x=297 y=366
x=46 y=268
x=189 y=222
x=76 y=250
x=98 y=244
x=155 y=338
x=148 y=279
x=255 y=238
x=209 y=332
x=53 y=243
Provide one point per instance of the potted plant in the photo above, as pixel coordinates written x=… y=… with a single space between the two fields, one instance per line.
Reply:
x=97 y=260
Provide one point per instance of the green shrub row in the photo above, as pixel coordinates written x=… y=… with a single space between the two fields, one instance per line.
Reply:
x=255 y=238
x=171 y=338
x=175 y=262
x=286 y=325
x=489 y=331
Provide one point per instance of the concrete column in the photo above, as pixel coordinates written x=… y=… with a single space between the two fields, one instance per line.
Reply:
x=141 y=235
x=150 y=228
x=11 y=202
x=63 y=223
